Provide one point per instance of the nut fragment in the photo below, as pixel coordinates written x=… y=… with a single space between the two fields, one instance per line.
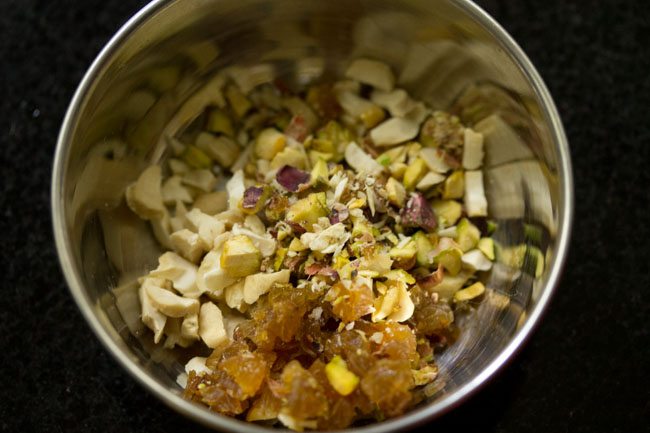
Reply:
x=418 y=213
x=373 y=72
x=258 y=284
x=188 y=244
x=144 y=197
x=240 y=257
x=341 y=379
x=169 y=304
x=179 y=271
x=394 y=131
x=211 y=326
x=471 y=292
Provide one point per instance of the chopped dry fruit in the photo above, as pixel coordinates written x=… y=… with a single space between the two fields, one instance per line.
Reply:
x=325 y=277
x=240 y=257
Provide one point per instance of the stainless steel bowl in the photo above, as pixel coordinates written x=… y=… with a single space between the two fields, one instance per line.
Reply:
x=447 y=52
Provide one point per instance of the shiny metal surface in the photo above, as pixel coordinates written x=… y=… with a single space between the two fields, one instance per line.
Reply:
x=446 y=52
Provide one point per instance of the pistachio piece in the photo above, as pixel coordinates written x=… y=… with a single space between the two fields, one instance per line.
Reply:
x=469 y=293
x=418 y=213
x=342 y=380
x=254 y=199
x=292 y=178
x=396 y=192
x=425 y=248
x=240 y=257
x=219 y=122
x=454 y=186
x=211 y=278
x=196 y=158
x=486 y=246
x=468 y=235
x=414 y=173
x=307 y=211
x=290 y=156
x=448 y=211
x=269 y=143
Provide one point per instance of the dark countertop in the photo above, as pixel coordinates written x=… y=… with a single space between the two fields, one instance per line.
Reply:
x=585 y=369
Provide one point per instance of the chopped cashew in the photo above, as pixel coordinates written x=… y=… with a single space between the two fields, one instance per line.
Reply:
x=206 y=226
x=372 y=72
x=475 y=201
x=202 y=179
x=254 y=223
x=179 y=271
x=394 y=131
x=222 y=149
x=397 y=102
x=234 y=296
x=211 y=327
x=151 y=317
x=231 y=217
x=173 y=191
x=360 y=108
x=212 y=203
x=169 y=304
x=188 y=244
x=235 y=187
x=211 y=278
x=197 y=365
x=258 y=284
x=361 y=161
x=190 y=327
x=174 y=334
x=144 y=197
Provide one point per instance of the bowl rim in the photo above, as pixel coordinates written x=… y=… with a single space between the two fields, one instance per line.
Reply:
x=410 y=419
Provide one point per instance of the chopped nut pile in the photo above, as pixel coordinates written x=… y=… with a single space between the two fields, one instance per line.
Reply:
x=325 y=275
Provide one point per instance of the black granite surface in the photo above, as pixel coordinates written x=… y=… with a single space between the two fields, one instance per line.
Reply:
x=585 y=370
